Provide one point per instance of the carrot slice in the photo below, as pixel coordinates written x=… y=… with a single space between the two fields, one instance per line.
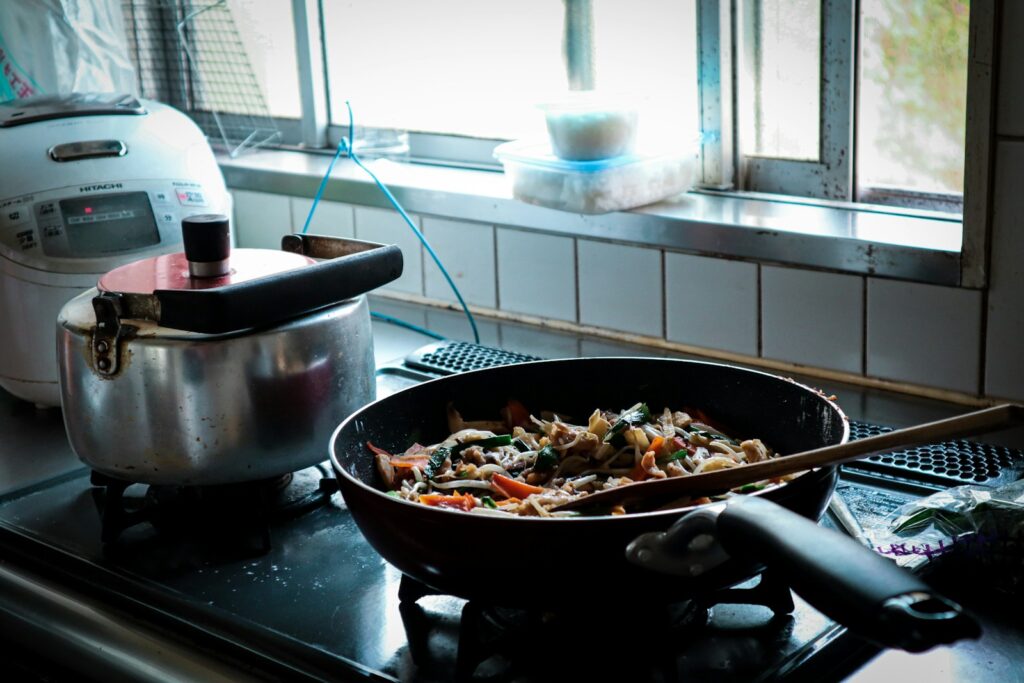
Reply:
x=511 y=488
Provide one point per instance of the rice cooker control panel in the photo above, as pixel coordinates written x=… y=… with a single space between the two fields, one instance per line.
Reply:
x=85 y=225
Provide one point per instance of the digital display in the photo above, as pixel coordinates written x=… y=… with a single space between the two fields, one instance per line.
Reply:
x=108 y=224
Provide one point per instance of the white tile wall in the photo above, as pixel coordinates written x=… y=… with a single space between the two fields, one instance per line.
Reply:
x=536 y=274
x=331 y=218
x=526 y=340
x=924 y=334
x=399 y=340
x=812 y=318
x=261 y=219
x=620 y=287
x=467 y=252
x=711 y=302
x=455 y=325
x=1004 y=351
x=387 y=227
x=921 y=334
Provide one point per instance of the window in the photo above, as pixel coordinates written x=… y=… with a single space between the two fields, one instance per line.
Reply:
x=480 y=69
x=845 y=100
x=850 y=100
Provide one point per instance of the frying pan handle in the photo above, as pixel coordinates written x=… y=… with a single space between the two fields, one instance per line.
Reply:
x=841 y=578
x=362 y=267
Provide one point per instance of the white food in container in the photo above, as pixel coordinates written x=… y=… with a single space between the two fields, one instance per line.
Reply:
x=587 y=133
x=593 y=187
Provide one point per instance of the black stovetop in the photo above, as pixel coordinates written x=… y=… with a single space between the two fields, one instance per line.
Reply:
x=321 y=602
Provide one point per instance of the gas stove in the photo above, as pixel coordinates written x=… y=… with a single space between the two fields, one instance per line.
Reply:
x=277 y=580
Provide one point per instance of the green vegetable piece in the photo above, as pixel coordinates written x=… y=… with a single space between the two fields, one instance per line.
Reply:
x=394 y=494
x=547 y=460
x=488 y=502
x=520 y=445
x=638 y=416
x=436 y=461
x=678 y=455
x=489 y=442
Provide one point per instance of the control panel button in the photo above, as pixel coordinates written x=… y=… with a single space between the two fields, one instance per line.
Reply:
x=191 y=197
x=15 y=215
x=167 y=217
x=161 y=197
x=26 y=239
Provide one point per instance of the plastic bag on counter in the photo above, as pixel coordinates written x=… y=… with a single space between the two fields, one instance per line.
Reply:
x=56 y=47
x=979 y=529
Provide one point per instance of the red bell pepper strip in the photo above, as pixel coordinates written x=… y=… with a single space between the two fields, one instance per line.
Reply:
x=456 y=501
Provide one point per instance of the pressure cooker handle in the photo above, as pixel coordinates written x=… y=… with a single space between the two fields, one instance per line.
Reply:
x=840 y=577
x=275 y=298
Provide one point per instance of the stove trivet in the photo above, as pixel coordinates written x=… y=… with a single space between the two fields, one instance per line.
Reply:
x=202 y=523
x=500 y=643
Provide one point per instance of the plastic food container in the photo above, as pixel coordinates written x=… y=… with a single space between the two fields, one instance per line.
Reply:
x=591 y=187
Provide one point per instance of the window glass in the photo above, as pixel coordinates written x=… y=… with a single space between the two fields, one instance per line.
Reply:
x=268 y=37
x=913 y=94
x=480 y=68
x=781 y=84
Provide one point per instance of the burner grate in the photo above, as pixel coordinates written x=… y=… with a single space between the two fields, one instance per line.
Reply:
x=950 y=463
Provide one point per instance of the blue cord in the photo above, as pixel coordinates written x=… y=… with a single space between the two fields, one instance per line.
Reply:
x=344 y=144
x=409 y=326
x=323 y=184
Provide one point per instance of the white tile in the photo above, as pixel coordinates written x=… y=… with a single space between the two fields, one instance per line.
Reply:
x=593 y=348
x=455 y=325
x=620 y=287
x=261 y=219
x=394 y=341
x=1004 y=359
x=331 y=218
x=812 y=318
x=924 y=334
x=388 y=227
x=536 y=274
x=467 y=252
x=711 y=302
x=1010 y=106
x=534 y=341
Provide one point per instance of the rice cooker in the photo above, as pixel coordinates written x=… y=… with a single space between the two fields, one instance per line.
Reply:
x=87 y=183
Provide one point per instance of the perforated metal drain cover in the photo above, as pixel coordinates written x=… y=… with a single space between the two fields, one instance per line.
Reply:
x=448 y=358
x=951 y=463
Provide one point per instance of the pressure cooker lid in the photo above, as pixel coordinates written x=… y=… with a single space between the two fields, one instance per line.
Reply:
x=208 y=262
x=211 y=289
x=45 y=107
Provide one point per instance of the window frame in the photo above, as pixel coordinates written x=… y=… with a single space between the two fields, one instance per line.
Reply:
x=721 y=167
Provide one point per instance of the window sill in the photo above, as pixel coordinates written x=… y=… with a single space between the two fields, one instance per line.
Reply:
x=877 y=242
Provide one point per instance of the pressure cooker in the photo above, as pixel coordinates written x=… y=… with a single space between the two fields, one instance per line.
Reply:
x=213 y=365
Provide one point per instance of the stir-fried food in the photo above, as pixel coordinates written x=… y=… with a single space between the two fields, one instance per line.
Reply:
x=527 y=465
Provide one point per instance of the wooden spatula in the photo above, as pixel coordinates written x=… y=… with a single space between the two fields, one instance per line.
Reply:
x=718 y=481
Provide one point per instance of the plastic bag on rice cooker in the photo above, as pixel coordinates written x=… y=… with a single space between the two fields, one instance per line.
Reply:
x=54 y=47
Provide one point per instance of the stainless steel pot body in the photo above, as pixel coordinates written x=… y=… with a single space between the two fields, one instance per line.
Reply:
x=191 y=408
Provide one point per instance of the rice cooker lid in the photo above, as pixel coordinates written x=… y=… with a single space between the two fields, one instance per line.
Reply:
x=46 y=107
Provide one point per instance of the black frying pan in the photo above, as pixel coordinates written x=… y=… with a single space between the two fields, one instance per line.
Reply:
x=655 y=556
